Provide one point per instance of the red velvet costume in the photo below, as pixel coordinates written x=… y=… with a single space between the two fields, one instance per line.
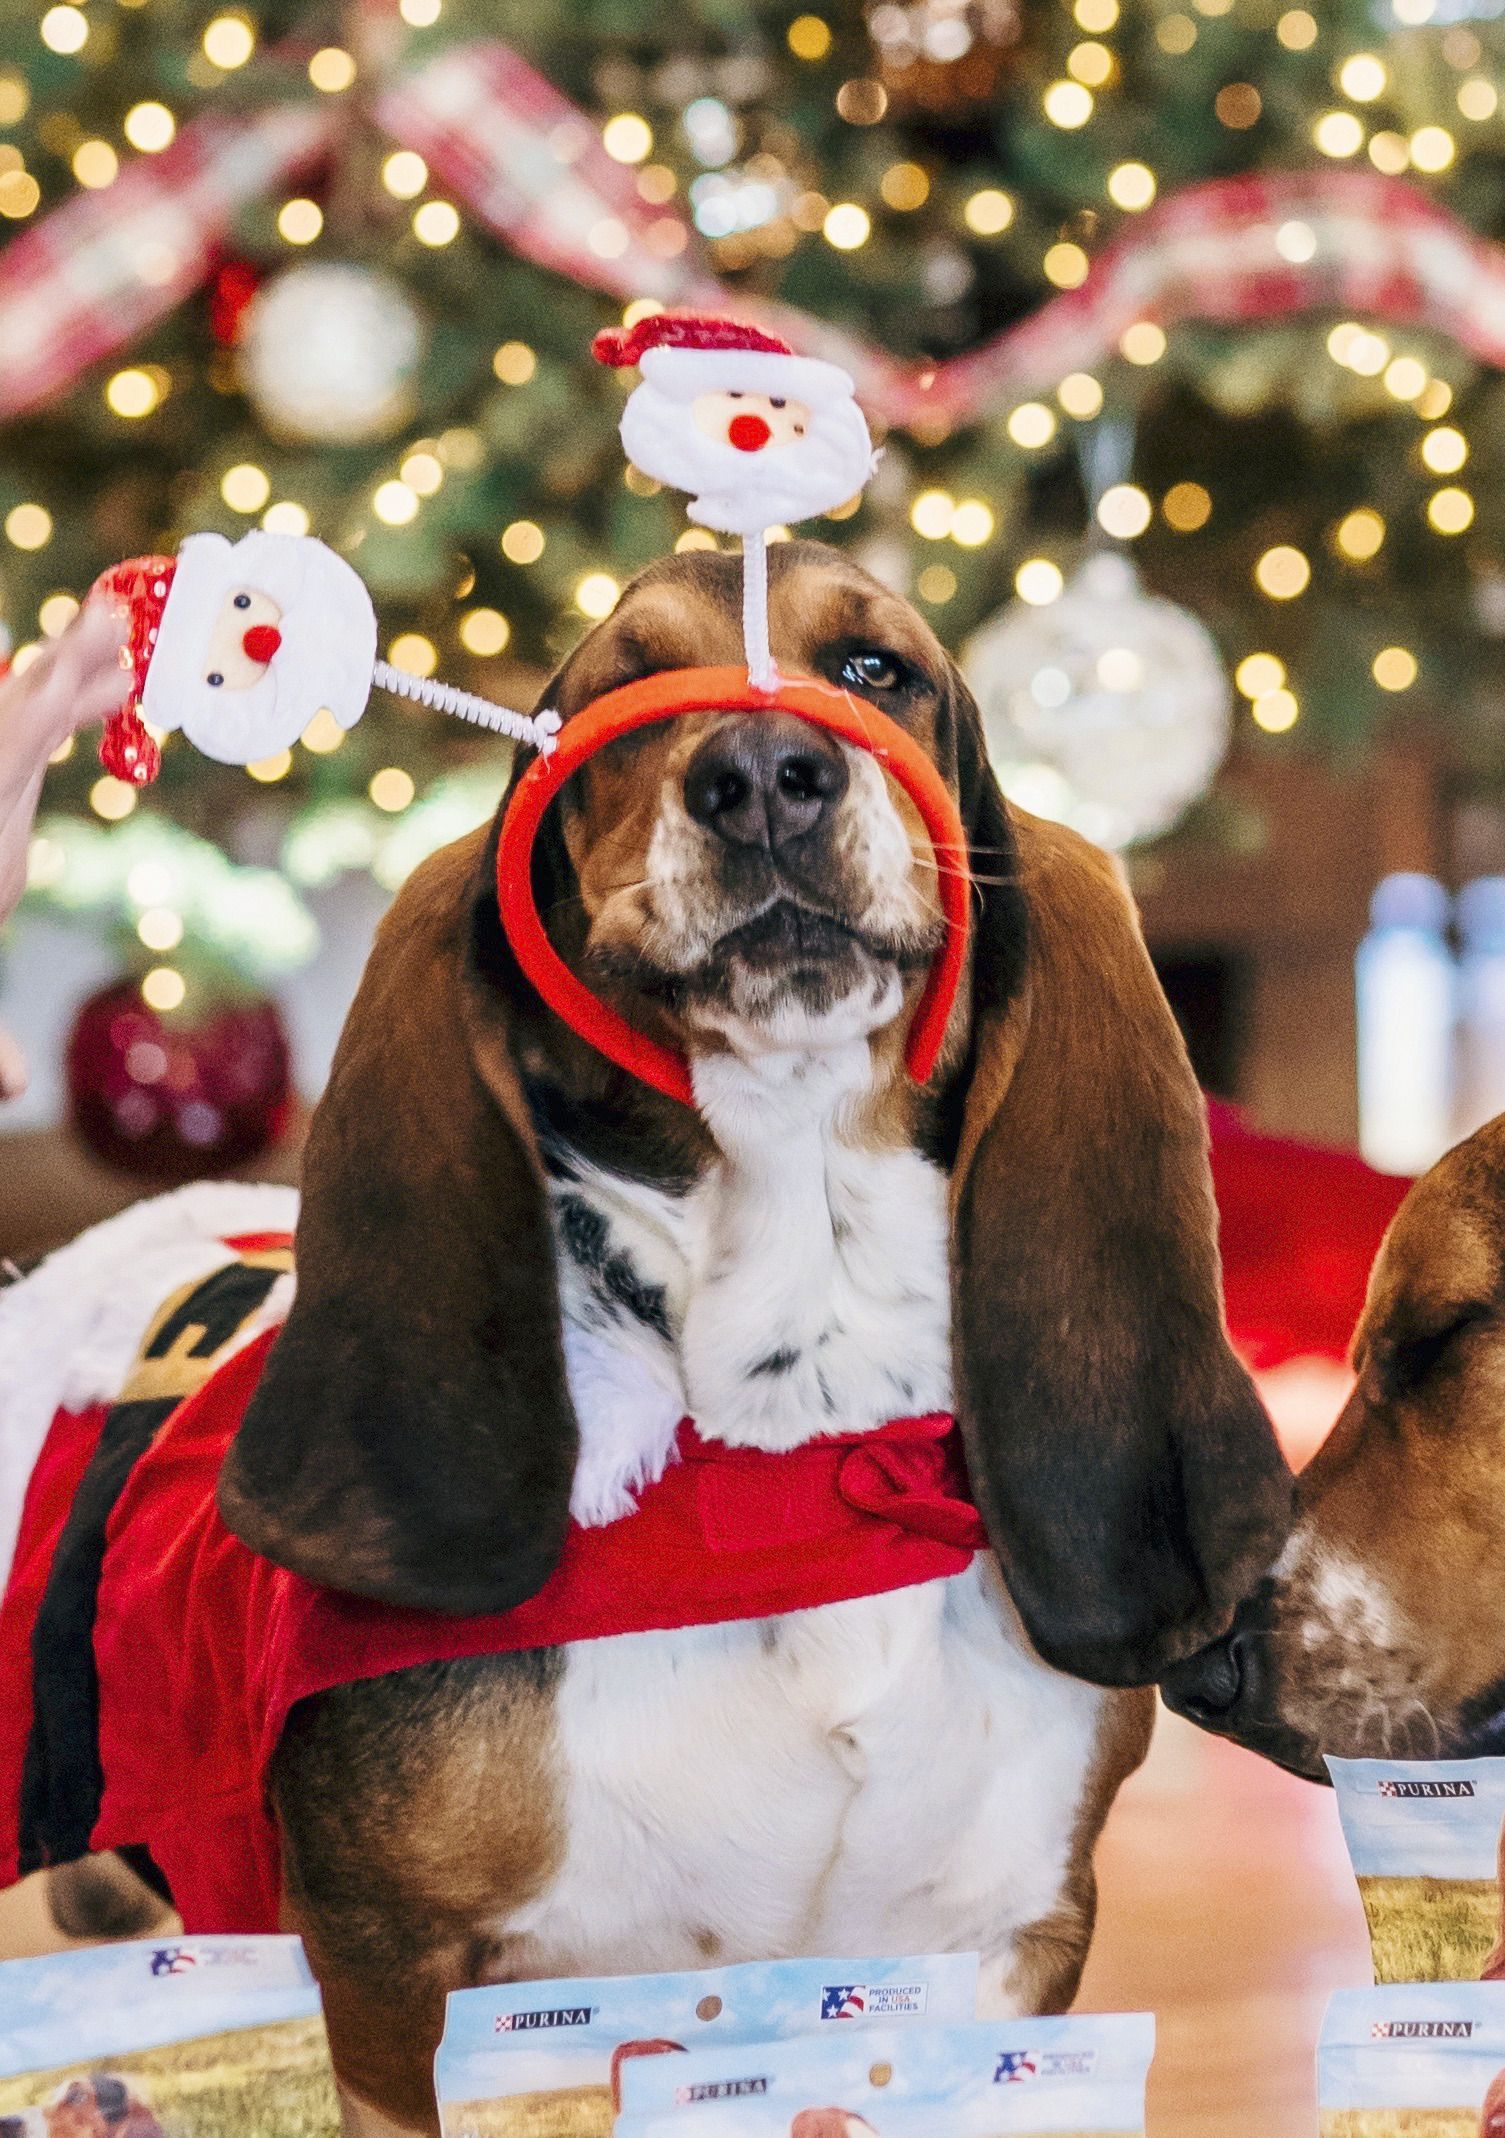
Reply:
x=200 y=1648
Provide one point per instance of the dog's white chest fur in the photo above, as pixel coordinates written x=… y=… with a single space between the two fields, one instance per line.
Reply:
x=896 y=1773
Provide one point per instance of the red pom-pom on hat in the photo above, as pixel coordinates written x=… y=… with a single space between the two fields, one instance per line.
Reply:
x=620 y=346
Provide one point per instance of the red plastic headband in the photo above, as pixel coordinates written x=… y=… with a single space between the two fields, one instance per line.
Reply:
x=722 y=690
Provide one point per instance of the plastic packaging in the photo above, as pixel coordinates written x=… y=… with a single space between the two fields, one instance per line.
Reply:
x=1424 y=2060
x=1423 y=1836
x=216 y=2037
x=1077 y=2077
x=546 y=2059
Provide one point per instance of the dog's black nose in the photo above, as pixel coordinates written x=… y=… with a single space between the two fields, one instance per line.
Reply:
x=1209 y=1685
x=764 y=780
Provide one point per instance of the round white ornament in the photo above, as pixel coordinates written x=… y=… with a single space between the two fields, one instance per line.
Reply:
x=329 y=351
x=1107 y=709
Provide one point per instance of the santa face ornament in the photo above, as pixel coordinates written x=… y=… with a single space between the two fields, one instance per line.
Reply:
x=256 y=637
x=756 y=435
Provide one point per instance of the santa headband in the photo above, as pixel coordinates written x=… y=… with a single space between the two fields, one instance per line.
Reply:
x=241 y=645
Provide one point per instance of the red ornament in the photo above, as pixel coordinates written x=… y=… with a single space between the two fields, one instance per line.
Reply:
x=234 y=285
x=139 y=589
x=177 y=1097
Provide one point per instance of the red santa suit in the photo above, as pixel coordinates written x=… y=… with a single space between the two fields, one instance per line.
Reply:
x=148 y=1659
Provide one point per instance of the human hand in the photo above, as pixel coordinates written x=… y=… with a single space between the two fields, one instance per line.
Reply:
x=79 y=678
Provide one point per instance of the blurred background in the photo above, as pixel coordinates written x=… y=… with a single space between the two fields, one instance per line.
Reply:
x=1181 y=325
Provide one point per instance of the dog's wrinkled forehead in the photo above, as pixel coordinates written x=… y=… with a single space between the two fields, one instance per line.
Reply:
x=686 y=612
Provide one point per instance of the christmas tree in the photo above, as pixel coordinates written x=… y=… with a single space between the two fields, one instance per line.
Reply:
x=388 y=343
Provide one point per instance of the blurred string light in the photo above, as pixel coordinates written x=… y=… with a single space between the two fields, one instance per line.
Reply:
x=1259 y=673
x=596 y=595
x=485 y=632
x=1066 y=265
x=56 y=613
x=95 y=165
x=1080 y=394
x=1124 y=511
x=1363 y=76
x=395 y=503
x=1395 y=668
x=331 y=70
x=1338 y=134
x=627 y=138
x=391 y=789
x=1478 y=100
x=1131 y=186
x=523 y=542
x=1432 y=149
x=1091 y=64
x=989 y=212
x=906 y=186
x=809 y=37
x=286 y=517
x=1405 y=378
x=1297 y=30
x=1068 y=105
x=404 y=174
x=414 y=654
x=1450 y=510
x=846 y=226
x=436 y=223
x=299 y=221
x=1038 y=582
x=420 y=14
x=150 y=127
x=229 y=41
x=1297 y=242
x=936 y=583
x=1283 y=572
x=514 y=363
x=133 y=393
x=1143 y=343
x=1360 y=535
x=64 y=30
x=1032 y=425
x=1187 y=507
x=268 y=770
x=1444 y=450
x=1275 y=711
x=28 y=526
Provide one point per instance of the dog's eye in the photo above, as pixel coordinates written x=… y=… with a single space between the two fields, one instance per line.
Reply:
x=1406 y=1363
x=873 y=671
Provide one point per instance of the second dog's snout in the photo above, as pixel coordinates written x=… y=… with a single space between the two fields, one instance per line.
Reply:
x=762 y=781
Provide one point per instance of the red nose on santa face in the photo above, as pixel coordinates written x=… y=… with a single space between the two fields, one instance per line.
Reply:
x=260 y=642
x=748 y=433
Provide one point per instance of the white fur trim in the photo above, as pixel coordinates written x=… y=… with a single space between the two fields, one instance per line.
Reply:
x=328 y=645
x=685 y=374
x=69 y=1331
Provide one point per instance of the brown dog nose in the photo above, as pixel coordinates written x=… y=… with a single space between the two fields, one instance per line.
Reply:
x=764 y=780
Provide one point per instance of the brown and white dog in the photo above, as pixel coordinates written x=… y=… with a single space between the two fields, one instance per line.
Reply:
x=518 y=1269
x=1381 y=1630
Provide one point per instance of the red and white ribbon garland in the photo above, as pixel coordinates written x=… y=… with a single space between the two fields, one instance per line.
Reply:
x=528 y=164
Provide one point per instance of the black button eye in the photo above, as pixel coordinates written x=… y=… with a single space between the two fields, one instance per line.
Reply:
x=872 y=671
x=734 y=393
x=776 y=400
x=214 y=679
x=242 y=601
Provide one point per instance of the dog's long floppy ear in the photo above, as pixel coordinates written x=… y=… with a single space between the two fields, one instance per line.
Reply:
x=412 y=1436
x=1129 y=1477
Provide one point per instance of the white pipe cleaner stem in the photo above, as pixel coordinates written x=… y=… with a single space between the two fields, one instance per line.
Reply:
x=761 y=672
x=536 y=728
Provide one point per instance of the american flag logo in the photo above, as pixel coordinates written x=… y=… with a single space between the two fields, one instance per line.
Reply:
x=1015 y=2065
x=843 y=2000
x=173 y=1960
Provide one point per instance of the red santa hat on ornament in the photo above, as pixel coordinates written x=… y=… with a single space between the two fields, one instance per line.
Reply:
x=757 y=435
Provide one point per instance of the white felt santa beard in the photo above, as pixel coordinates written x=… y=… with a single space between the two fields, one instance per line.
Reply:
x=328 y=633
x=738 y=492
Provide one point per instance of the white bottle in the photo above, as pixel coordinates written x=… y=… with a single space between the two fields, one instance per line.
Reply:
x=1481 y=1005
x=1406 y=994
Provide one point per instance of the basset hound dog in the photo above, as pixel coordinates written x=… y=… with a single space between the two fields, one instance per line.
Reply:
x=518 y=1271
x=1380 y=1631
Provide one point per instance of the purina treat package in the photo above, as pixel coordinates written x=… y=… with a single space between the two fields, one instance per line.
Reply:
x=1058 y=2078
x=219 y=2037
x=1413 y=2060
x=546 y=2059
x=1423 y=1836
